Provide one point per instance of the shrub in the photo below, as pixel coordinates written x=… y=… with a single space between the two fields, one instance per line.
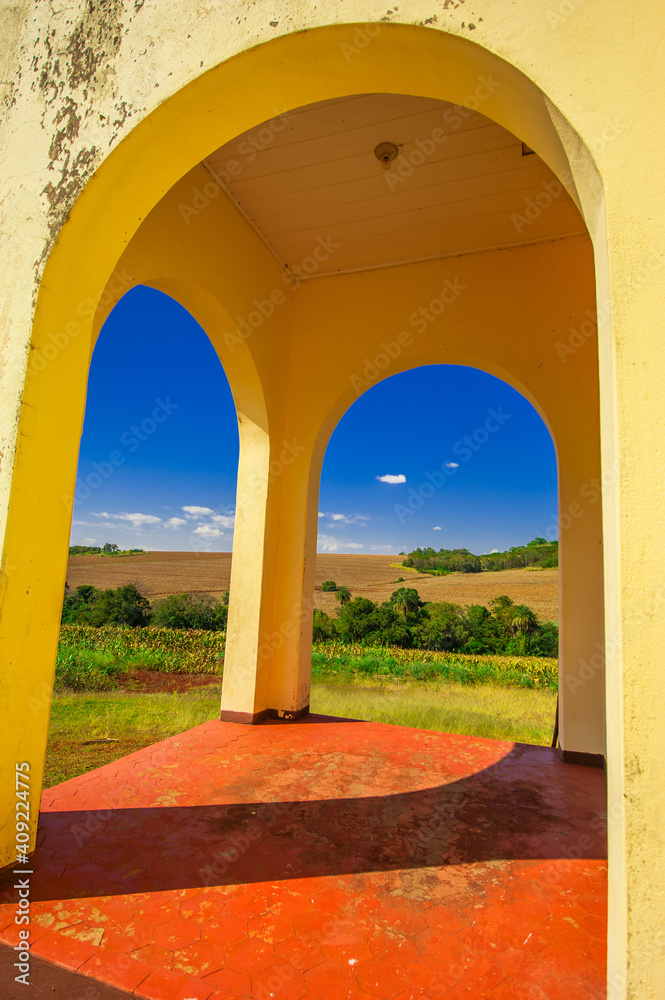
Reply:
x=76 y=607
x=362 y=621
x=443 y=627
x=198 y=611
x=323 y=629
x=328 y=585
x=546 y=643
x=122 y=606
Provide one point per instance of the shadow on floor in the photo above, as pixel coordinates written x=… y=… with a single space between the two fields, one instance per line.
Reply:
x=509 y=811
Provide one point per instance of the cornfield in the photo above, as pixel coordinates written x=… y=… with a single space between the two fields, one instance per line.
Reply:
x=196 y=651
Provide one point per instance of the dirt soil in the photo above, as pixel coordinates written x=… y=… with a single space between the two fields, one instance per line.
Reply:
x=152 y=681
x=158 y=574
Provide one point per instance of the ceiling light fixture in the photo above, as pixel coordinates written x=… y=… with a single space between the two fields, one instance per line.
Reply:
x=385 y=153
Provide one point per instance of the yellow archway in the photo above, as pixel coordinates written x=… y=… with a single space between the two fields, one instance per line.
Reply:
x=131 y=181
x=88 y=259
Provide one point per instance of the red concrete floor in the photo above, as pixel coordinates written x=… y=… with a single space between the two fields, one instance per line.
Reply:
x=329 y=859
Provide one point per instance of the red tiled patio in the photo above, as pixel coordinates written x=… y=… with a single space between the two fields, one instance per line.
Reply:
x=326 y=858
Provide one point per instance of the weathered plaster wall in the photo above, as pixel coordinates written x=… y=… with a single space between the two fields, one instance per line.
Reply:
x=80 y=77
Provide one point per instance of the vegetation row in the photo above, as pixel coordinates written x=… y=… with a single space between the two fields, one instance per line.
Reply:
x=404 y=621
x=95 y=658
x=539 y=554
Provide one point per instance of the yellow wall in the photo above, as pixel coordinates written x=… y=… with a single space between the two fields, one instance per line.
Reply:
x=146 y=114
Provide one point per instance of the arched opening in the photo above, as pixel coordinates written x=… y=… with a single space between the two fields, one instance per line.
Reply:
x=151 y=539
x=249 y=286
x=297 y=342
x=159 y=436
x=457 y=465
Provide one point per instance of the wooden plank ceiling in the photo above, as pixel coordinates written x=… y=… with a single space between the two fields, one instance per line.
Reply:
x=311 y=175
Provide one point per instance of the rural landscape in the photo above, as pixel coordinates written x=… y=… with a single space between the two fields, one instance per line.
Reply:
x=141 y=653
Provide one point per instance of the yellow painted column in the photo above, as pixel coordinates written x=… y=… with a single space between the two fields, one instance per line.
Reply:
x=633 y=364
x=269 y=636
x=581 y=614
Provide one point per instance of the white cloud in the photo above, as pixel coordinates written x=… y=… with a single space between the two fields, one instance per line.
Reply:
x=331 y=543
x=321 y=514
x=347 y=518
x=437 y=527
x=197 y=511
x=328 y=543
x=452 y=465
x=389 y=478
x=208 y=531
x=387 y=548
x=136 y=520
x=89 y=541
x=494 y=550
x=175 y=522
x=226 y=520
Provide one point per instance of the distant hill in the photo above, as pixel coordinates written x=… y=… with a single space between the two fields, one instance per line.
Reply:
x=537 y=553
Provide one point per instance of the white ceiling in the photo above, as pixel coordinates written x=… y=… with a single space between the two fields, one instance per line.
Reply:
x=310 y=177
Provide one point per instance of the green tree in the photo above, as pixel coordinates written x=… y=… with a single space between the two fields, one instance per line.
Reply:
x=77 y=607
x=523 y=626
x=546 y=641
x=122 y=606
x=323 y=627
x=503 y=609
x=486 y=633
x=328 y=586
x=110 y=549
x=362 y=621
x=199 y=611
x=442 y=627
x=405 y=601
x=342 y=595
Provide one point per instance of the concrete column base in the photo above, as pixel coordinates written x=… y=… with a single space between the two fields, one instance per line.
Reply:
x=253 y=718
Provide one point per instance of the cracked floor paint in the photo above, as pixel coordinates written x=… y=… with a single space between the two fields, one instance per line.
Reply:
x=326 y=858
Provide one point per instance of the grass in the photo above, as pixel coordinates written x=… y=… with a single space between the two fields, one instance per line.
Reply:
x=133 y=720
x=524 y=716
x=138 y=720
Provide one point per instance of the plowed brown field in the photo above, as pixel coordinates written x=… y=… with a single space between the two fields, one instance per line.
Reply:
x=157 y=574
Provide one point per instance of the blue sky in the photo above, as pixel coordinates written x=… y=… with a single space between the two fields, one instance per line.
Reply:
x=443 y=456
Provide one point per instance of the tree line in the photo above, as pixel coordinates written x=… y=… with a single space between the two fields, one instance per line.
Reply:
x=107 y=549
x=537 y=553
x=505 y=628
x=406 y=621
x=127 y=606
